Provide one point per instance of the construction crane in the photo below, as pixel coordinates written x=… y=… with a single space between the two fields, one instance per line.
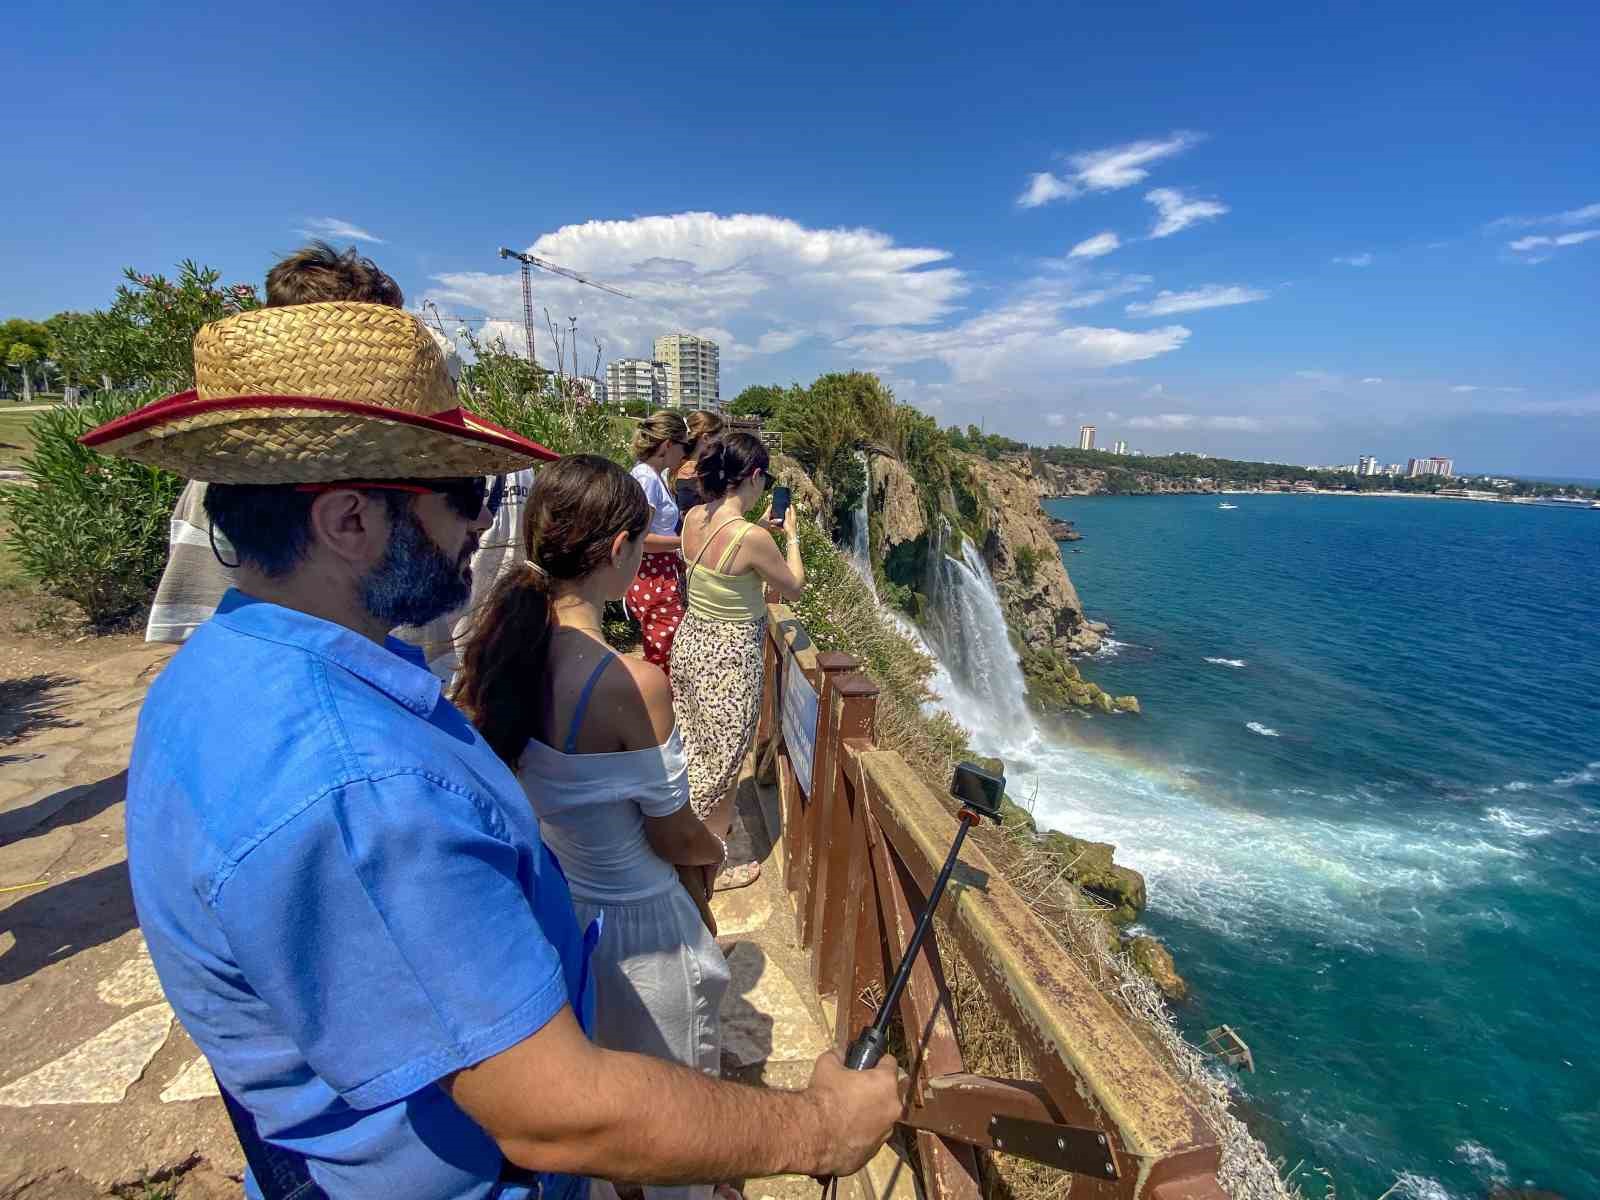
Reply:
x=528 y=262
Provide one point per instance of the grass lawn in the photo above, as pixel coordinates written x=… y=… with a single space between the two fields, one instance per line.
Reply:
x=14 y=438
x=12 y=580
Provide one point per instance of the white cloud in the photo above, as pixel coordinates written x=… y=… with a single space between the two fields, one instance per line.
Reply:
x=1107 y=170
x=1056 y=420
x=1045 y=187
x=1537 y=247
x=1326 y=378
x=334 y=229
x=1573 y=216
x=759 y=284
x=1021 y=340
x=1463 y=388
x=1373 y=379
x=1212 y=295
x=1175 y=211
x=1178 y=422
x=1097 y=246
x=1364 y=259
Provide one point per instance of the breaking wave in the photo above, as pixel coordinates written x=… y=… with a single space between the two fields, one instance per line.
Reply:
x=1263 y=730
x=1235 y=663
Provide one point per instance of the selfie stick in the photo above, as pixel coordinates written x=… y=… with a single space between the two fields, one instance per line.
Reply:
x=871 y=1042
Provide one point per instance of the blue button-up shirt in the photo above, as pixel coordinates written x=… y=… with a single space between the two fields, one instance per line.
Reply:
x=345 y=895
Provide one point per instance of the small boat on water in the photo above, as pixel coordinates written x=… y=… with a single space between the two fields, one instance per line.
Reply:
x=1225 y=505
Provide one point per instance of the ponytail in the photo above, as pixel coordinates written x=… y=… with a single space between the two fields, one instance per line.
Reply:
x=505 y=655
x=576 y=509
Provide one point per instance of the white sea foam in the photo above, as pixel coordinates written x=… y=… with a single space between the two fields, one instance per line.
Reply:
x=1587 y=775
x=1517 y=823
x=1109 y=648
x=1235 y=663
x=1263 y=730
x=1483 y=1161
x=1408 y=1185
x=1516 y=785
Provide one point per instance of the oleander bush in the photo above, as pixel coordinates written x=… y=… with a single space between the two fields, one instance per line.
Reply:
x=91 y=529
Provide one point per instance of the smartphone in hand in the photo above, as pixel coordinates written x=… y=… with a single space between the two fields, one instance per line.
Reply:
x=780 y=504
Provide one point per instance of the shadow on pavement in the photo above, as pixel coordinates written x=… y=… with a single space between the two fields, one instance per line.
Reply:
x=54 y=923
x=29 y=705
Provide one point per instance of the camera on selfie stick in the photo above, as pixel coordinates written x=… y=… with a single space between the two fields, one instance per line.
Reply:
x=980 y=794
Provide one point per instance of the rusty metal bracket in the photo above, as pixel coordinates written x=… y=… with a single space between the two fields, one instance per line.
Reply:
x=1065 y=1147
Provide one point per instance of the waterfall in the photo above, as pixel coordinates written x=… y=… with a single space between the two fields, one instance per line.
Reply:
x=860 y=551
x=967 y=629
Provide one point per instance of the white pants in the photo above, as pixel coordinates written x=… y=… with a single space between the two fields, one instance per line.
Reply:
x=659 y=982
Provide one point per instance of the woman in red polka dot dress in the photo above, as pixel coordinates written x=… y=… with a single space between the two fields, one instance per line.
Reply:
x=656 y=598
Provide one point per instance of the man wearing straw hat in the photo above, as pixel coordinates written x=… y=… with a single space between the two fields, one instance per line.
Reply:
x=342 y=887
x=197 y=573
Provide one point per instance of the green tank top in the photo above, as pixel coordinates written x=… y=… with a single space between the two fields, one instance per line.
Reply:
x=717 y=596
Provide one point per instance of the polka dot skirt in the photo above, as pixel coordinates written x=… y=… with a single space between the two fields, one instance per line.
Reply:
x=655 y=600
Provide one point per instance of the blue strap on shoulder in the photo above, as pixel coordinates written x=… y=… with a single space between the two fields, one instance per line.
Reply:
x=583 y=702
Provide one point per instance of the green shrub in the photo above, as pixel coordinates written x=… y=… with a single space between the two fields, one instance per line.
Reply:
x=91 y=529
x=1026 y=559
x=505 y=388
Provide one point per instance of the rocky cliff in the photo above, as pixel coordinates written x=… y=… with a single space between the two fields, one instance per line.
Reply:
x=1051 y=481
x=1041 y=605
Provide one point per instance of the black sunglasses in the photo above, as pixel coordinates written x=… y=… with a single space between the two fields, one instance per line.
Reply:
x=466 y=496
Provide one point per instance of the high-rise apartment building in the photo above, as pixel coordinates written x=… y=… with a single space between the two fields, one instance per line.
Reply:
x=1368 y=465
x=693 y=374
x=1119 y=447
x=1086 y=437
x=637 y=379
x=1430 y=466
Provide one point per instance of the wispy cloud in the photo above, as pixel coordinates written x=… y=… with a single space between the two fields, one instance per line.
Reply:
x=1056 y=420
x=1373 y=379
x=1107 y=170
x=1178 y=422
x=1573 y=216
x=1537 y=248
x=1095 y=247
x=1464 y=388
x=1212 y=295
x=334 y=229
x=1364 y=259
x=1175 y=211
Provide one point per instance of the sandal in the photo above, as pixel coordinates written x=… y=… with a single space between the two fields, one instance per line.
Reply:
x=737 y=877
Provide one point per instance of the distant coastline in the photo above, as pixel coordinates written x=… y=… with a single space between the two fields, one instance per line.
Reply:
x=1520 y=501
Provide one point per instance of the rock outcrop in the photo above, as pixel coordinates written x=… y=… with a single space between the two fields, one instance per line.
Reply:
x=792 y=475
x=1155 y=960
x=1053 y=482
x=1041 y=604
x=896 y=501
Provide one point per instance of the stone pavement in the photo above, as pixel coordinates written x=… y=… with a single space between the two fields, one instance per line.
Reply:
x=100 y=1088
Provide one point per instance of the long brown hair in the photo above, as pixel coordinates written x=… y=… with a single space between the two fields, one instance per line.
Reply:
x=657 y=430
x=703 y=426
x=577 y=507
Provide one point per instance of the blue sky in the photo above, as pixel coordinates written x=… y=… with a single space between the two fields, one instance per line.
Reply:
x=1298 y=235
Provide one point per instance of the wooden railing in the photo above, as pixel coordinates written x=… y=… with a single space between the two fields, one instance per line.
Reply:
x=861 y=850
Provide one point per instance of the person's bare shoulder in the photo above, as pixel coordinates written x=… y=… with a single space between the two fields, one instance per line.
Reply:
x=641 y=688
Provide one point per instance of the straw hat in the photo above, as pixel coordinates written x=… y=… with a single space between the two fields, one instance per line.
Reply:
x=313 y=393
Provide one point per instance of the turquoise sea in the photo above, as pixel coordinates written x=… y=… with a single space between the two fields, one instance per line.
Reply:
x=1365 y=792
